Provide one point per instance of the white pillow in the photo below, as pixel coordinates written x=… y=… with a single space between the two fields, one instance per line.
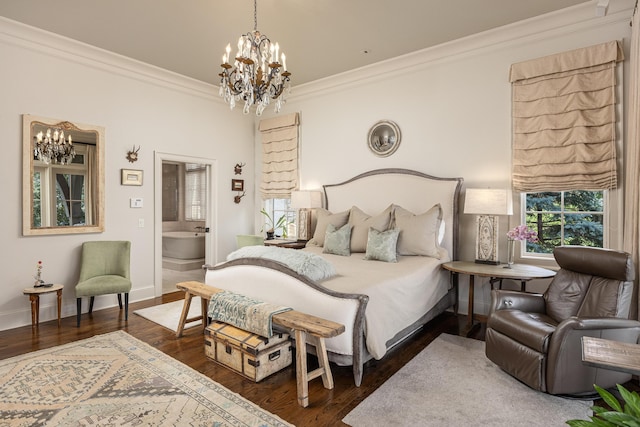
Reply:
x=361 y=222
x=419 y=234
x=324 y=218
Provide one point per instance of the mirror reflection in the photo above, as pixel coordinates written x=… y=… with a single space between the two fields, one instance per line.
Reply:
x=63 y=177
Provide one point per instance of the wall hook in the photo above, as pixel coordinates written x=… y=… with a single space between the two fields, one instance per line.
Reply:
x=239 y=197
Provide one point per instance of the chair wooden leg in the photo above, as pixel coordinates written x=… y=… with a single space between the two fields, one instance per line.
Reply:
x=120 y=301
x=91 y=304
x=126 y=306
x=78 y=310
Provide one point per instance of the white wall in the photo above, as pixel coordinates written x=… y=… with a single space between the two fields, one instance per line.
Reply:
x=452 y=104
x=50 y=76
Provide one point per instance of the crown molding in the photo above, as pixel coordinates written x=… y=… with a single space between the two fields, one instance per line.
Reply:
x=47 y=43
x=556 y=24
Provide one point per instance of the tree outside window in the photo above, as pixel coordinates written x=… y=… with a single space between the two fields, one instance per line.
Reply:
x=565 y=218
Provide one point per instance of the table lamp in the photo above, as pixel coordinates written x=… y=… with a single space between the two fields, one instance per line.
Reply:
x=487 y=204
x=304 y=201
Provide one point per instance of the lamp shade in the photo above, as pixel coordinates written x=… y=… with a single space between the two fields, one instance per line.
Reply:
x=306 y=199
x=487 y=201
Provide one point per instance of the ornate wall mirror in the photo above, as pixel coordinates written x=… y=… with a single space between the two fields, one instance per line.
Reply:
x=384 y=138
x=62 y=177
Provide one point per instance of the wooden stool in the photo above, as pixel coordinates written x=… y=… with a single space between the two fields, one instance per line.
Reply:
x=307 y=329
x=34 y=297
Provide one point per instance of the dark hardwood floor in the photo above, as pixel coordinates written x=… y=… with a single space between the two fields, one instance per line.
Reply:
x=276 y=394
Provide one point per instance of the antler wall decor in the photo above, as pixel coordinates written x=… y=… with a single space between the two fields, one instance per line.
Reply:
x=132 y=155
x=238 y=168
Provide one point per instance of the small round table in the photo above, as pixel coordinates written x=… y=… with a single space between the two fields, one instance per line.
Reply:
x=34 y=297
x=520 y=272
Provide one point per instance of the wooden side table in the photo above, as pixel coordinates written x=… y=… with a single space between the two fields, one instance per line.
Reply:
x=614 y=355
x=520 y=272
x=34 y=297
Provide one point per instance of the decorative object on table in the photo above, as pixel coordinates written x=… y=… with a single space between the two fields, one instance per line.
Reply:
x=132 y=155
x=38 y=275
x=304 y=201
x=487 y=204
x=52 y=147
x=272 y=226
x=384 y=138
x=131 y=177
x=237 y=169
x=617 y=415
x=103 y=382
x=256 y=76
x=519 y=233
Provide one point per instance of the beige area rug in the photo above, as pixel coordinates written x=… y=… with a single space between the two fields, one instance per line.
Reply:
x=168 y=315
x=452 y=383
x=116 y=380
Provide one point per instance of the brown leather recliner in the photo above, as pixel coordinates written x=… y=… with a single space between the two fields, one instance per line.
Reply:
x=537 y=338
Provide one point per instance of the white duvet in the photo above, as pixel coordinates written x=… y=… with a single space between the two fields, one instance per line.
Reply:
x=399 y=293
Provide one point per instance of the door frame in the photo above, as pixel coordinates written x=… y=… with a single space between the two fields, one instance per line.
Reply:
x=211 y=205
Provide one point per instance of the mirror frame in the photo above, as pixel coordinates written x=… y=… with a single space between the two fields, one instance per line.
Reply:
x=27 y=177
x=374 y=136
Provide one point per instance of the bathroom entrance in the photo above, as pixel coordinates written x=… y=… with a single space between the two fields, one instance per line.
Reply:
x=185 y=211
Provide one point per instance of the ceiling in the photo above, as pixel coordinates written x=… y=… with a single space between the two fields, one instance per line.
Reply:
x=320 y=37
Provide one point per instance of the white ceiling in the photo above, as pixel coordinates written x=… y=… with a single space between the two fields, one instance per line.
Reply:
x=320 y=37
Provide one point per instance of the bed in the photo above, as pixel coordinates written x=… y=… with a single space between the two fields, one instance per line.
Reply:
x=380 y=303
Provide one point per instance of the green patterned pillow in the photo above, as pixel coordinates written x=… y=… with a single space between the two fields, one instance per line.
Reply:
x=336 y=241
x=381 y=245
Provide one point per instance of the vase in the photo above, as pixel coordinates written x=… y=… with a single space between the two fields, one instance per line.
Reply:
x=511 y=246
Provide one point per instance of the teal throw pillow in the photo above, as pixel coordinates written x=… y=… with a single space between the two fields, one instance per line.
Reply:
x=381 y=245
x=337 y=240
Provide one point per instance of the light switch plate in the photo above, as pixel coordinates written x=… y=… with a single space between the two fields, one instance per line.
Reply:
x=135 y=202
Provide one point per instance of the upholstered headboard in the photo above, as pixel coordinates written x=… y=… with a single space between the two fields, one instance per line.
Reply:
x=415 y=191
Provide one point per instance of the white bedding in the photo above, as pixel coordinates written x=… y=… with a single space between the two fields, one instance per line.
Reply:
x=399 y=293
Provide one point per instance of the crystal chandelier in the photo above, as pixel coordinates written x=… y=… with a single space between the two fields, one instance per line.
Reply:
x=256 y=76
x=52 y=147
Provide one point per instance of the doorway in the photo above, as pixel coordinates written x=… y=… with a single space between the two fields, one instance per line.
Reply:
x=183 y=218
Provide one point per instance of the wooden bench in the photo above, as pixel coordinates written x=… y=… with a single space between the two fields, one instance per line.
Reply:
x=307 y=329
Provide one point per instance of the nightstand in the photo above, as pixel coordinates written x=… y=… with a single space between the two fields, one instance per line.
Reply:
x=283 y=243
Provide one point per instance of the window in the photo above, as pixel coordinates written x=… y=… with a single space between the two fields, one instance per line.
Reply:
x=565 y=218
x=277 y=208
x=195 y=192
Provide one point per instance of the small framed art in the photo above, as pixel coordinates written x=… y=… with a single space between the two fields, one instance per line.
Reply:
x=237 y=185
x=131 y=177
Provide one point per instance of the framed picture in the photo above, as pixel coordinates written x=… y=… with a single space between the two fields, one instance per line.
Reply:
x=237 y=185
x=131 y=177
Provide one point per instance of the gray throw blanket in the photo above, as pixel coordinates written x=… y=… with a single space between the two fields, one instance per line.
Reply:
x=243 y=312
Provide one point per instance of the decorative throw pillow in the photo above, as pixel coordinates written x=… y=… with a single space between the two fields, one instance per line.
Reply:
x=336 y=241
x=381 y=245
x=419 y=233
x=324 y=218
x=361 y=222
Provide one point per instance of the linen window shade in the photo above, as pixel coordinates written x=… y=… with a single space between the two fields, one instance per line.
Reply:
x=564 y=120
x=279 y=156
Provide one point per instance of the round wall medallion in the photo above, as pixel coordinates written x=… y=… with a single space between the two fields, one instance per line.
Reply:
x=384 y=138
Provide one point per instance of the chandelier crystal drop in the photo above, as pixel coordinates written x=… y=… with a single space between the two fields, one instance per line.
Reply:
x=52 y=147
x=257 y=76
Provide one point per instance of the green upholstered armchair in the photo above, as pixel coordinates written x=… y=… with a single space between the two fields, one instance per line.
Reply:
x=104 y=269
x=249 y=240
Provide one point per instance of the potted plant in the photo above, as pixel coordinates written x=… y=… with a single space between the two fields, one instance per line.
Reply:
x=272 y=226
x=629 y=415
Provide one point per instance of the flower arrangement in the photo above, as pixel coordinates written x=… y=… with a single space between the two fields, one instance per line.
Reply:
x=522 y=232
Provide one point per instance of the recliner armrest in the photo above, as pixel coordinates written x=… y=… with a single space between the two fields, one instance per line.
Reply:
x=514 y=300
x=596 y=323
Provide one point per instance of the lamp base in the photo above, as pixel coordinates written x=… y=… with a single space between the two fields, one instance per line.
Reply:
x=489 y=262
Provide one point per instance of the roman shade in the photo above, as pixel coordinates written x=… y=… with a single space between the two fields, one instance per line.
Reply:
x=564 y=120
x=279 y=156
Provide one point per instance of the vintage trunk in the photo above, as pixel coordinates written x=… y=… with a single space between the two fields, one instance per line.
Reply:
x=248 y=354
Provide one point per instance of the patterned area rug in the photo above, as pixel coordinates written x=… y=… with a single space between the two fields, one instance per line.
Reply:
x=113 y=380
